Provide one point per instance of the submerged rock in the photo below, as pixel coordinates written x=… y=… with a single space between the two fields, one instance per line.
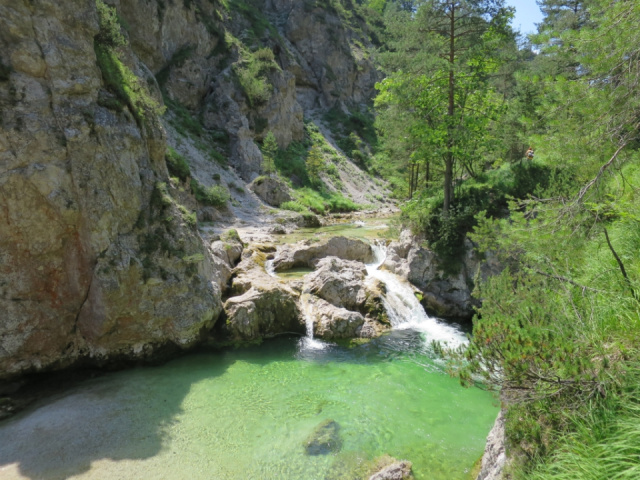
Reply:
x=399 y=470
x=324 y=439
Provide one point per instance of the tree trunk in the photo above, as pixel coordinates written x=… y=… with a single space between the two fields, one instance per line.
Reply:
x=448 y=171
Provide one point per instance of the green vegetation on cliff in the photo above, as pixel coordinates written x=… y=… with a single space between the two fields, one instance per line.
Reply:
x=118 y=77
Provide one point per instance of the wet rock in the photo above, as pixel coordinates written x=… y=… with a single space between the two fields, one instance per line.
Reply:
x=303 y=254
x=330 y=321
x=445 y=294
x=399 y=470
x=261 y=312
x=343 y=304
x=271 y=190
x=324 y=439
x=339 y=282
x=262 y=306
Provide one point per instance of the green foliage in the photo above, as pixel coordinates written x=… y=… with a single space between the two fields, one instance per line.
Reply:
x=315 y=164
x=269 y=153
x=231 y=235
x=354 y=132
x=215 y=196
x=321 y=202
x=183 y=121
x=489 y=193
x=251 y=74
x=290 y=163
x=119 y=78
x=109 y=35
x=294 y=207
x=177 y=164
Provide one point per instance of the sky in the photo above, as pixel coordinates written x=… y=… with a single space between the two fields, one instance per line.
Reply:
x=527 y=15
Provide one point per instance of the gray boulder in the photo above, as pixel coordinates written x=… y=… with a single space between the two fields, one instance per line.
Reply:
x=262 y=306
x=304 y=254
x=330 y=321
x=271 y=190
x=339 y=282
x=262 y=312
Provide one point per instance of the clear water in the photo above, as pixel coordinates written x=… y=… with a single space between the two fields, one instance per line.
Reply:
x=369 y=229
x=246 y=413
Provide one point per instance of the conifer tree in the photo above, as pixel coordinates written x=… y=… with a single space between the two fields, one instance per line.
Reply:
x=442 y=54
x=269 y=152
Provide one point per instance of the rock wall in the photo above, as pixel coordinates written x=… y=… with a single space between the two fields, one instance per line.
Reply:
x=445 y=294
x=495 y=457
x=98 y=259
x=320 y=62
x=80 y=278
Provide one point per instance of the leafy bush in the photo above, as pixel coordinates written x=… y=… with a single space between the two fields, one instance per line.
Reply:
x=251 y=73
x=109 y=35
x=215 y=196
x=293 y=206
x=177 y=164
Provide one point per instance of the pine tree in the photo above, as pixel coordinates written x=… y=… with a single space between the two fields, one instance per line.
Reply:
x=269 y=152
x=315 y=164
x=442 y=55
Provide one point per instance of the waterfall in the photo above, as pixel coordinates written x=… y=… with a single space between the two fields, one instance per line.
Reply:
x=309 y=342
x=268 y=266
x=404 y=309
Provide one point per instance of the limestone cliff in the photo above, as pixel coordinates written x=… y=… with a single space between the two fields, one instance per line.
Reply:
x=98 y=258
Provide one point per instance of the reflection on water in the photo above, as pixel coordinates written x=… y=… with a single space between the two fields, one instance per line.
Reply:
x=246 y=413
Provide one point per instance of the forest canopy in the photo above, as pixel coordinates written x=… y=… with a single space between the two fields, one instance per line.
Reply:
x=463 y=99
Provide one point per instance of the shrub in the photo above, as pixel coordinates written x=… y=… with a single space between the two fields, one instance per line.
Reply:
x=215 y=196
x=177 y=164
x=294 y=207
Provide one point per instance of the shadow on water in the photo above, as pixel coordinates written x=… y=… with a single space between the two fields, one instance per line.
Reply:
x=129 y=415
x=118 y=416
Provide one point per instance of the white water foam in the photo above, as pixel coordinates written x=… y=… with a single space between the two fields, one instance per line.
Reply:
x=307 y=311
x=404 y=309
x=268 y=266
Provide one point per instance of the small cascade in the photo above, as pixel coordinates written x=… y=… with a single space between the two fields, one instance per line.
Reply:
x=307 y=311
x=404 y=309
x=268 y=266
